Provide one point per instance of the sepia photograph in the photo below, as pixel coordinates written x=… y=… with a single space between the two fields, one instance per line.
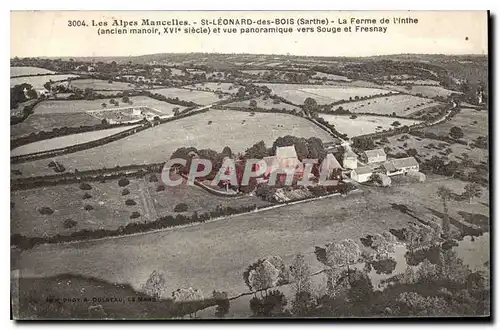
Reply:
x=230 y=165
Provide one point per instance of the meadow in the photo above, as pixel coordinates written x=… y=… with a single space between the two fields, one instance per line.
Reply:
x=297 y=94
x=402 y=105
x=198 y=97
x=66 y=141
x=264 y=104
x=214 y=255
x=38 y=81
x=426 y=91
x=97 y=85
x=28 y=70
x=72 y=106
x=364 y=124
x=236 y=129
x=47 y=122
x=228 y=88
x=473 y=123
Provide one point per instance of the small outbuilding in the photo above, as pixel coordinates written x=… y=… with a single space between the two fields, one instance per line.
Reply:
x=361 y=174
x=374 y=156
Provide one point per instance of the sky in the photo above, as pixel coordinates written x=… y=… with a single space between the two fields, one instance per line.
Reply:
x=46 y=33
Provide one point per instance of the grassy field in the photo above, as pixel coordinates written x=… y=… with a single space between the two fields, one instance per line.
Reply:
x=214 y=255
x=427 y=148
x=97 y=85
x=27 y=70
x=329 y=76
x=322 y=94
x=46 y=122
x=38 y=81
x=426 y=91
x=264 y=104
x=194 y=197
x=236 y=129
x=66 y=141
x=472 y=122
x=198 y=97
x=214 y=87
x=72 y=106
x=109 y=211
x=363 y=124
x=402 y=105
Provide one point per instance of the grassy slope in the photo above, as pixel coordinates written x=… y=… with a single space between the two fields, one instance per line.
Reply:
x=214 y=255
x=238 y=130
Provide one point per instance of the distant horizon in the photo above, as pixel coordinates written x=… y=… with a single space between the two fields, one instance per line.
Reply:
x=254 y=54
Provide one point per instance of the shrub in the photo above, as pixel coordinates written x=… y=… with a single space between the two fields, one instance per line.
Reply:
x=45 y=210
x=86 y=196
x=130 y=202
x=160 y=188
x=153 y=178
x=123 y=182
x=68 y=223
x=181 y=207
x=125 y=192
x=85 y=186
x=88 y=207
x=134 y=215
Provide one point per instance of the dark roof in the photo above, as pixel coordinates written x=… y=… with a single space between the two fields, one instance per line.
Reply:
x=375 y=153
x=404 y=162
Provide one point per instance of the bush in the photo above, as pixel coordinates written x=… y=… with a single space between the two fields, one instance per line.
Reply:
x=160 y=188
x=88 y=207
x=130 y=202
x=68 y=223
x=45 y=210
x=134 y=215
x=181 y=207
x=123 y=182
x=125 y=192
x=153 y=178
x=86 y=196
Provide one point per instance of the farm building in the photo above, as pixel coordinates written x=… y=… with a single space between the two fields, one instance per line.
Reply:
x=374 y=156
x=331 y=164
x=401 y=166
x=361 y=174
x=350 y=160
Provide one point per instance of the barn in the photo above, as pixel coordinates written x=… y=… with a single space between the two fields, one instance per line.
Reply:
x=374 y=156
x=401 y=166
x=361 y=174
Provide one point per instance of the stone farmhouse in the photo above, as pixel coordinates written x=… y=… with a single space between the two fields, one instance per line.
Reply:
x=400 y=166
x=361 y=174
x=374 y=156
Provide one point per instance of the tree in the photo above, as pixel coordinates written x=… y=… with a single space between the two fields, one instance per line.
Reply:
x=69 y=223
x=300 y=274
x=181 y=207
x=261 y=275
x=87 y=196
x=445 y=194
x=257 y=151
x=253 y=104
x=272 y=305
x=343 y=254
x=396 y=124
x=310 y=105
x=456 y=133
x=472 y=190
x=123 y=182
x=130 y=202
x=125 y=99
x=188 y=295
x=156 y=285
x=222 y=301
x=125 y=192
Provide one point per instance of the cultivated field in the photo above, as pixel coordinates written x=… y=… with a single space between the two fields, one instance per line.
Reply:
x=198 y=97
x=329 y=76
x=229 y=88
x=236 y=129
x=72 y=106
x=27 y=70
x=402 y=105
x=47 y=122
x=472 y=122
x=364 y=124
x=322 y=94
x=426 y=91
x=38 y=81
x=97 y=85
x=66 y=141
x=215 y=255
x=264 y=104
x=110 y=211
